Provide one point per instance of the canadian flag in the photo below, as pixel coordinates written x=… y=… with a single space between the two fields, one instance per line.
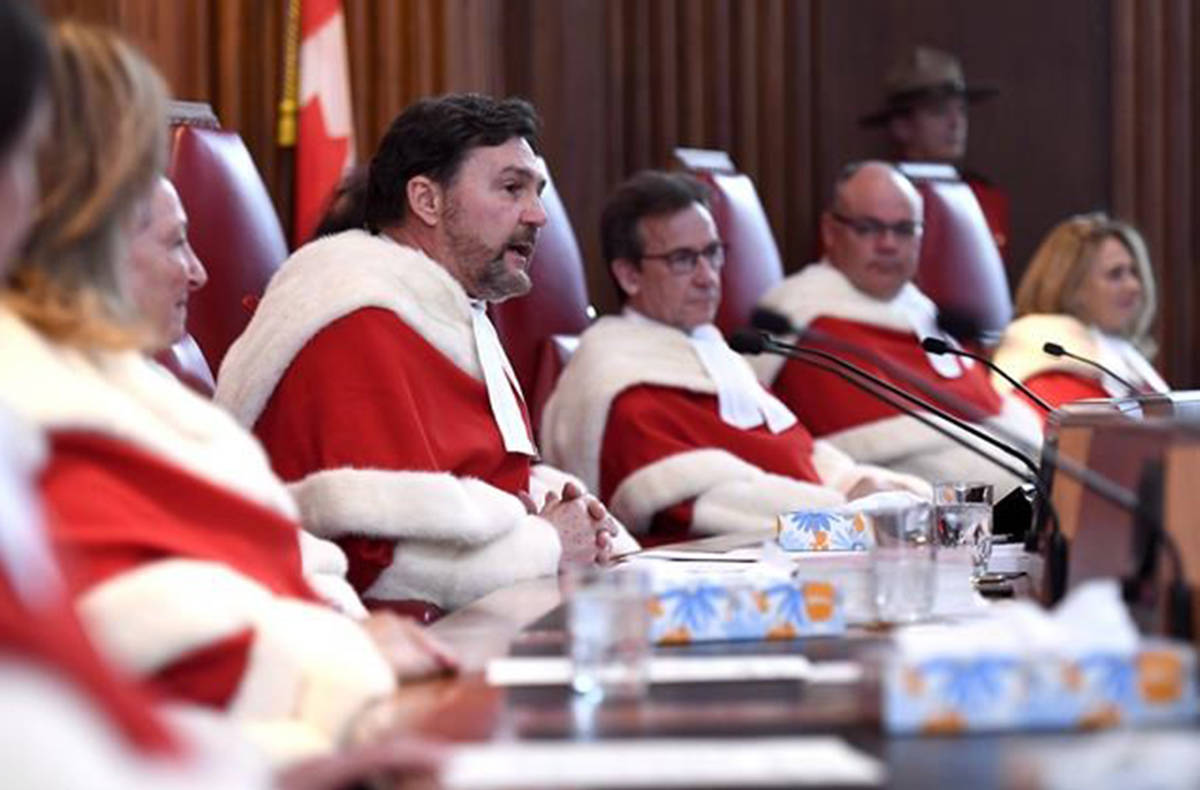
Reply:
x=325 y=142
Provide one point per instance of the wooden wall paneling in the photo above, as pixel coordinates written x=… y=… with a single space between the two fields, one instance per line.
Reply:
x=1179 y=244
x=1050 y=62
x=642 y=101
x=796 y=232
x=718 y=43
x=666 y=57
x=695 y=69
x=577 y=156
x=745 y=98
x=771 y=179
x=1153 y=180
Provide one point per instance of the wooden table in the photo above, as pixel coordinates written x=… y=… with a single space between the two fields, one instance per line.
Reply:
x=527 y=618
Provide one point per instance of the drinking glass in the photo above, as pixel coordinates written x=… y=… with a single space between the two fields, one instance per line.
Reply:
x=963 y=511
x=903 y=567
x=609 y=623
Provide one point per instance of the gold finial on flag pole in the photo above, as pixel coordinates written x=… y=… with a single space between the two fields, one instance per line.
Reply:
x=288 y=101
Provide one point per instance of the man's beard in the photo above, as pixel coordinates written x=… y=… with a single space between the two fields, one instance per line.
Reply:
x=488 y=277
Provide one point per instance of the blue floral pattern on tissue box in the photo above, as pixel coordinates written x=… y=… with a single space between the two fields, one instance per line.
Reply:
x=710 y=609
x=823 y=530
x=1155 y=685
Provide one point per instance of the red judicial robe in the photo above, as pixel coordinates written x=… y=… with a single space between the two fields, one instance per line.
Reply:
x=69 y=719
x=359 y=374
x=183 y=556
x=994 y=202
x=635 y=415
x=820 y=297
x=1059 y=380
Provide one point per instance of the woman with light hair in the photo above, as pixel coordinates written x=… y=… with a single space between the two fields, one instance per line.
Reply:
x=185 y=557
x=1089 y=288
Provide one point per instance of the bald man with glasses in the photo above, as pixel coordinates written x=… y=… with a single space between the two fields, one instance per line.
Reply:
x=862 y=294
x=658 y=414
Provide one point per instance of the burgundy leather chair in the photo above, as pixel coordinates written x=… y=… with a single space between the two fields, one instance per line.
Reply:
x=232 y=225
x=540 y=330
x=186 y=361
x=961 y=269
x=752 y=264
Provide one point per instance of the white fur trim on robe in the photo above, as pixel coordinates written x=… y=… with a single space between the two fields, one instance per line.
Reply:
x=307 y=663
x=841 y=472
x=469 y=532
x=731 y=495
x=53 y=738
x=904 y=445
x=1020 y=354
x=127 y=397
x=328 y=279
x=614 y=354
x=819 y=290
x=452 y=576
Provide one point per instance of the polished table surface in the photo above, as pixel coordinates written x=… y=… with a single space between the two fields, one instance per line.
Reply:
x=527 y=619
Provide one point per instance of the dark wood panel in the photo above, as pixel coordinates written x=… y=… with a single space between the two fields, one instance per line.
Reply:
x=1050 y=62
x=1095 y=109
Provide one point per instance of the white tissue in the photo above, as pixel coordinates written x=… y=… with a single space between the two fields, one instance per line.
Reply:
x=1091 y=620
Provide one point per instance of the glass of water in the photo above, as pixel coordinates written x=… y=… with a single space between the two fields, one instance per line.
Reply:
x=963 y=511
x=609 y=622
x=903 y=566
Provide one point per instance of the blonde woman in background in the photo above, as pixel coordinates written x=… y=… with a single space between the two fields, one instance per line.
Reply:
x=184 y=555
x=1090 y=289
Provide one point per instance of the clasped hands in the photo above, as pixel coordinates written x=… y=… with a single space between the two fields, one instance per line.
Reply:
x=584 y=527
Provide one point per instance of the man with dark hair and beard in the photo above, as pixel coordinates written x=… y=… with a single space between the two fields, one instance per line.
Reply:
x=373 y=377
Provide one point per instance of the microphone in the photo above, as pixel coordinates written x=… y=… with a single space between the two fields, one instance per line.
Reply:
x=1055 y=350
x=938 y=346
x=748 y=341
x=1056 y=556
x=774 y=323
x=961 y=424
x=777 y=324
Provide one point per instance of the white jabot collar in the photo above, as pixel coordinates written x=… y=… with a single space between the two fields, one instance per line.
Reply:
x=501 y=382
x=1119 y=354
x=742 y=401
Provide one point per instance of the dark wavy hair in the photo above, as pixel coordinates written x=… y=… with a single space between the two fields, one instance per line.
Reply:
x=432 y=138
x=650 y=193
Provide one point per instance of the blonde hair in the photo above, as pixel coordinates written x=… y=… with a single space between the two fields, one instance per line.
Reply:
x=107 y=148
x=1063 y=260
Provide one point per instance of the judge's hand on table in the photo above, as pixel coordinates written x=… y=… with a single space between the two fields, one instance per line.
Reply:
x=873 y=481
x=583 y=524
x=409 y=648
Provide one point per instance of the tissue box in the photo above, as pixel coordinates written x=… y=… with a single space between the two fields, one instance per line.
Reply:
x=1156 y=684
x=749 y=604
x=823 y=530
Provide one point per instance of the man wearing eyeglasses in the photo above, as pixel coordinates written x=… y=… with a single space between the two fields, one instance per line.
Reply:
x=862 y=294
x=657 y=413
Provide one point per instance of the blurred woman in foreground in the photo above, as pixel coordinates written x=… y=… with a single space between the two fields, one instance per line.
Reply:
x=67 y=720
x=184 y=553
x=1089 y=288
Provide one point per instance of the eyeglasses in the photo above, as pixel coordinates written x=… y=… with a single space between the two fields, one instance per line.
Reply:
x=864 y=227
x=685 y=259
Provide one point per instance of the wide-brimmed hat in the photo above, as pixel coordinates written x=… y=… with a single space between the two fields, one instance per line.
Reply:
x=921 y=75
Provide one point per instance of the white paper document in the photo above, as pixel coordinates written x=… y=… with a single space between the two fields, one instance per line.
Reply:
x=556 y=670
x=724 y=762
x=750 y=554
